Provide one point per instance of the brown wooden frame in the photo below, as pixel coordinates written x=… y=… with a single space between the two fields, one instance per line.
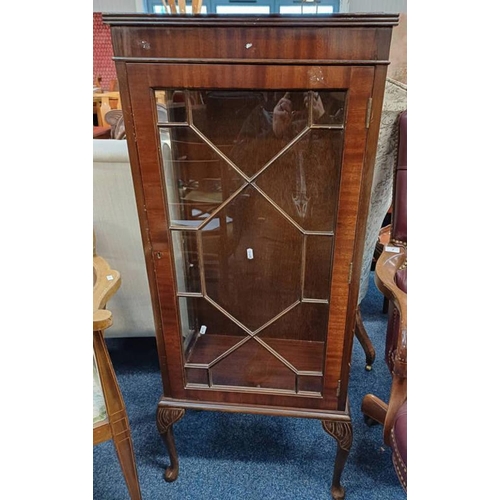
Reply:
x=116 y=425
x=140 y=75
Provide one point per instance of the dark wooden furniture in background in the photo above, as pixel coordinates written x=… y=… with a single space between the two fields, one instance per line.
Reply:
x=391 y=279
x=252 y=197
x=104 y=102
x=102 y=132
x=113 y=423
x=359 y=329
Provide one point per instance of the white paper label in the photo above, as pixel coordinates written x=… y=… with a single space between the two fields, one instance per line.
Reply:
x=392 y=249
x=109 y=277
x=249 y=254
x=203 y=329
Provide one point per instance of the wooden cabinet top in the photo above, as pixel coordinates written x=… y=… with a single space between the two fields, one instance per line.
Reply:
x=353 y=39
x=274 y=20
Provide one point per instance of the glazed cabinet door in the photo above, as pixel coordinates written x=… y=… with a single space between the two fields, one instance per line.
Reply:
x=251 y=178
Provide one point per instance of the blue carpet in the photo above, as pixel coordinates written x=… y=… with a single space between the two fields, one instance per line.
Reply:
x=248 y=457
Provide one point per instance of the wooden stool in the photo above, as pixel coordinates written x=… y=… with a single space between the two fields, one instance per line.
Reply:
x=110 y=417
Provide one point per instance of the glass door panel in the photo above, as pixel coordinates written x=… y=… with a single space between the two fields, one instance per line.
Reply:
x=252 y=365
x=305 y=321
x=251 y=127
x=318 y=250
x=198 y=180
x=303 y=181
x=252 y=180
x=253 y=260
x=187 y=264
x=207 y=332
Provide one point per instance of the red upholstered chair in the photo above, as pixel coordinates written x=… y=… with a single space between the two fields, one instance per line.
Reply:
x=391 y=279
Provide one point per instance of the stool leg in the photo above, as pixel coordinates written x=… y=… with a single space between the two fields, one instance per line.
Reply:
x=125 y=453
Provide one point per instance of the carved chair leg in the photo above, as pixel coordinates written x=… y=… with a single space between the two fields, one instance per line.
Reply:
x=165 y=418
x=125 y=453
x=364 y=340
x=342 y=432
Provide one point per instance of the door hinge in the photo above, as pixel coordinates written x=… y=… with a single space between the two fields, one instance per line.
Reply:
x=368 y=112
x=350 y=273
x=338 y=388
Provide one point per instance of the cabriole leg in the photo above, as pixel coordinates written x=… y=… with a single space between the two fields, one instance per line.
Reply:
x=342 y=432
x=364 y=340
x=165 y=418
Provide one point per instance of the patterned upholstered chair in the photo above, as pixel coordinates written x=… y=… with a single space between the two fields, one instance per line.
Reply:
x=391 y=279
x=110 y=417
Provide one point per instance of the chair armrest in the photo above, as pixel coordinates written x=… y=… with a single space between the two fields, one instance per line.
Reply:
x=388 y=264
x=106 y=283
x=102 y=319
x=385 y=278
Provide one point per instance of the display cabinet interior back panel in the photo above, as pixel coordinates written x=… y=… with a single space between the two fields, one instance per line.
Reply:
x=252 y=142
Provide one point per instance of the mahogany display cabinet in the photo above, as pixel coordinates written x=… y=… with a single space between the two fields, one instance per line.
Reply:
x=252 y=143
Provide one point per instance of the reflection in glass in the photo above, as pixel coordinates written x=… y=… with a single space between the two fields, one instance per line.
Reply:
x=187 y=266
x=251 y=127
x=304 y=181
x=170 y=106
x=198 y=180
x=329 y=107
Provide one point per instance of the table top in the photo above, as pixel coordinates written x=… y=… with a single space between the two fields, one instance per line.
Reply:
x=112 y=95
x=102 y=132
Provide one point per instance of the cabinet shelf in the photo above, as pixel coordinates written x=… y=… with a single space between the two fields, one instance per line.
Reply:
x=295 y=366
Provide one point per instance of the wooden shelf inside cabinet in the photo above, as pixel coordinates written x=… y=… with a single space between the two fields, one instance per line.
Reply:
x=252 y=157
x=207 y=367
